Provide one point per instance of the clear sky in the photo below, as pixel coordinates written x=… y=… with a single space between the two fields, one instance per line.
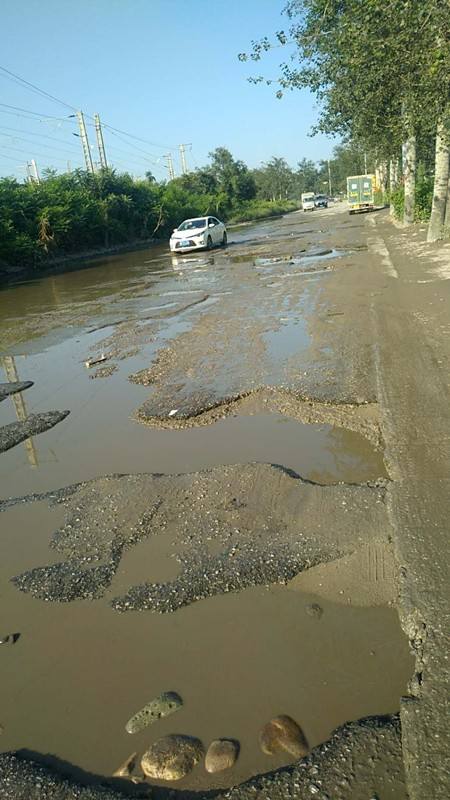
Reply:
x=163 y=70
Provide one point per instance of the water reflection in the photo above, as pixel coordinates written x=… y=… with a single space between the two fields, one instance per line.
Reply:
x=10 y=368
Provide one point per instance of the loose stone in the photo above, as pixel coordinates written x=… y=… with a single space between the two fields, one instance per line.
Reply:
x=283 y=733
x=10 y=638
x=125 y=769
x=222 y=754
x=172 y=757
x=167 y=703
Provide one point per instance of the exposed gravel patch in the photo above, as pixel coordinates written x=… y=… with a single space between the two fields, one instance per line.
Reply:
x=104 y=372
x=17 y=432
x=7 y=389
x=265 y=525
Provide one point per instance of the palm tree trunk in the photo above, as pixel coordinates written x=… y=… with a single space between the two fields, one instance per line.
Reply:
x=409 y=174
x=441 y=173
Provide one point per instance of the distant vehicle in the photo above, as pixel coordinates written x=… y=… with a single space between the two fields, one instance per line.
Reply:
x=199 y=233
x=308 y=201
x=360 y=192
x=321 y=201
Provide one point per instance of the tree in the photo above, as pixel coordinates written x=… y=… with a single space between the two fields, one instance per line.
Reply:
x=233 y=178
x=307 y=176
x=275 y=179
x=380 y=69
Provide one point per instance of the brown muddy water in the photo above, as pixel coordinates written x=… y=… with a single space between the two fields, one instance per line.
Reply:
x=80 y=670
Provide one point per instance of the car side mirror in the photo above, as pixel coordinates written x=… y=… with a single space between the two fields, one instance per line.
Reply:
x=211 y=225
x=175 y=230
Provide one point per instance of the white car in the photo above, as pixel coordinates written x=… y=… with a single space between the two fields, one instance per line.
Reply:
x=199 y=233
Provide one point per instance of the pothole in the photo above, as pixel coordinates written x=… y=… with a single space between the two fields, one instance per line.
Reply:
x=236 y=661
x=319 y=452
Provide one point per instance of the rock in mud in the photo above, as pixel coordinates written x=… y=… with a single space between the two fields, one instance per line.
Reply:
x=10 y=638
x=283 y=733
x=7 y=389
x=172 y=757
x=314 y=610
x=167 y=703
x=103 y=372
x=125 y=769
x=17 y=432
x=222 y=754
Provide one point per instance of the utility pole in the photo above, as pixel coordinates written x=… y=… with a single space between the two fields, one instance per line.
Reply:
x=169 y=160
x=329 y=178
x=183 y=157
x=365 y=163
x=85 y=143
x=32 y=172
x=100 y=142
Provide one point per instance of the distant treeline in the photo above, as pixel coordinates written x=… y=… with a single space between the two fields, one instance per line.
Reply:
x=80 y=212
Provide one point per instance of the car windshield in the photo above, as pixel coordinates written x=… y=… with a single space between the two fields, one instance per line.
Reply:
x=320 y=197
x=191 y=224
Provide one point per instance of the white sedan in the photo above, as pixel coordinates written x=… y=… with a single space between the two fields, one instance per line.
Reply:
x=198 y=234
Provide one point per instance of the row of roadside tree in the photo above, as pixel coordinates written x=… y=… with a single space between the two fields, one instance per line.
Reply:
x=79 y=212
x=381 y=72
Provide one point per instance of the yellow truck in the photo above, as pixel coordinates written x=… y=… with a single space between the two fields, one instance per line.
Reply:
x=360 y=192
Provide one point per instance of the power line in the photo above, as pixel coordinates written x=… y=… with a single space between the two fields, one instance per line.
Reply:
x=27 y=152
x=10 y=158
x=35 y=88
x=41 y=144
x=43 y=93
x=42 y=135
x=35 y=113
x=138 y=138
x=150 y=156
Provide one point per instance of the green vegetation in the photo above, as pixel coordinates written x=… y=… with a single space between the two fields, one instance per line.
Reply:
x=78 y=212
x=381 y=72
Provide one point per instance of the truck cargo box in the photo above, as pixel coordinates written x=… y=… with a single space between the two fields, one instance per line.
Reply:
x=360 y=192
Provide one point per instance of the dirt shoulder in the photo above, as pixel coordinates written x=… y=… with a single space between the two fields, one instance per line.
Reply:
x=412 y=318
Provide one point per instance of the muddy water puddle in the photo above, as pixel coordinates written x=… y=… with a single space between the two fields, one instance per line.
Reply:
x=101 y=437
x=80 y=670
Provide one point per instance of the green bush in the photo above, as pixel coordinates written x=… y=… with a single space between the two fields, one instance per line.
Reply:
x=79 y=212
x=424 y=199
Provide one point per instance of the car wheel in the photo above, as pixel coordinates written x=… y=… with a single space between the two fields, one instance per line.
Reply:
x=209 y=243
x=224 y=239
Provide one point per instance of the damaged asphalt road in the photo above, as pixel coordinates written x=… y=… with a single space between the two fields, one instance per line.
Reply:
x=351 y=335
x=264 y=524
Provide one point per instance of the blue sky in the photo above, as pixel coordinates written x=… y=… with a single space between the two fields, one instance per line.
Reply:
x=163 y=70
